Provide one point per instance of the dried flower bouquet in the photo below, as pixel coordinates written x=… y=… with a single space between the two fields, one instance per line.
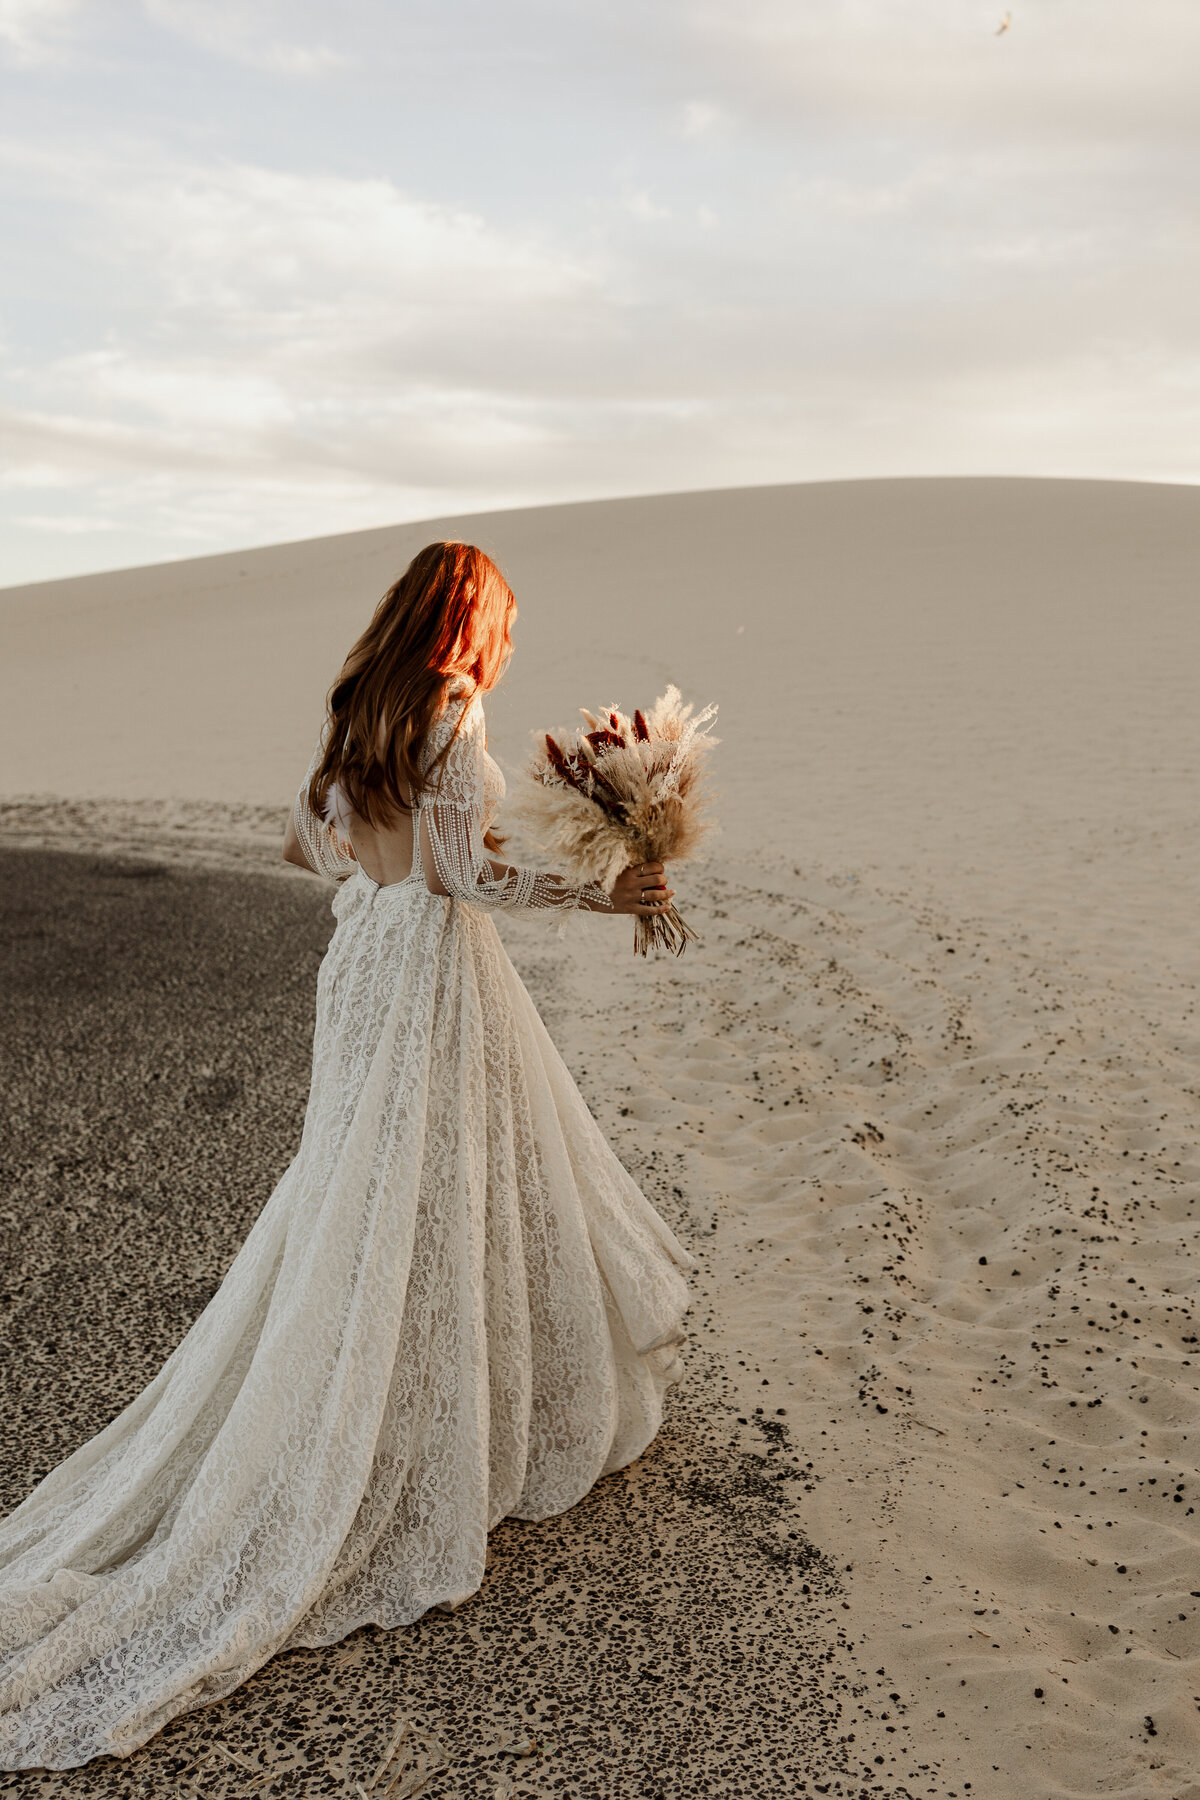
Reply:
x=624 y=791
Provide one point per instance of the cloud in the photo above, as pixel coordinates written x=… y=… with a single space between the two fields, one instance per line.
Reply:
x=323 y=338
x=1091 y=69
x=700 y=118
x=33 y=30
x=259 y=35
x=639 y=205
x=66 y=524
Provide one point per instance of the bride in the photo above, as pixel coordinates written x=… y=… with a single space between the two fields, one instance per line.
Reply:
x=456 y=1306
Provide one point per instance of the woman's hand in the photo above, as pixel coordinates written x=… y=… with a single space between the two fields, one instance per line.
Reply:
x=641 y=889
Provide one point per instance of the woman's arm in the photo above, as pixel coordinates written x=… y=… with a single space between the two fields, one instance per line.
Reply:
x=454 y=863
x=639 y=889
x=292 y=853
x=312 y=843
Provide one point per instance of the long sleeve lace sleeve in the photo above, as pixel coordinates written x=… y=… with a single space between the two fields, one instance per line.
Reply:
x=319 y=840
x=452 y=825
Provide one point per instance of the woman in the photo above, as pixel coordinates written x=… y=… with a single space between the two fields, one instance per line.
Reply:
x=455 y=1307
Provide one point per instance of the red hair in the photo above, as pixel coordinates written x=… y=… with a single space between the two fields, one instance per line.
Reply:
x=448 y=616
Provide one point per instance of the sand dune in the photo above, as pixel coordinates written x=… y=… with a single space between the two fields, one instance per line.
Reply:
x=924 y=1100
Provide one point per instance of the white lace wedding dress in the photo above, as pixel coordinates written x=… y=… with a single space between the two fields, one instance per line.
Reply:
x=456 y=1306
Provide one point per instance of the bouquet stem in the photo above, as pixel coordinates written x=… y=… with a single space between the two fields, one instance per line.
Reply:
x=667 y=930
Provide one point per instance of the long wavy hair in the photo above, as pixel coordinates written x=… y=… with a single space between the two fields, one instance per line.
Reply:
x=448 y=617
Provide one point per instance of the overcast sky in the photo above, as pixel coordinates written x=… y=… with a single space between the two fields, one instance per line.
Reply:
x=272 y=270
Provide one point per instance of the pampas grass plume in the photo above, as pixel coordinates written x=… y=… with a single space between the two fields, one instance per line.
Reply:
x=621 y=792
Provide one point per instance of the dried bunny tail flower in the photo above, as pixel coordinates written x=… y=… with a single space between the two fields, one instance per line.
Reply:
x=604 y=740
x=557 y=767
x=609 y=718
x=575 y=769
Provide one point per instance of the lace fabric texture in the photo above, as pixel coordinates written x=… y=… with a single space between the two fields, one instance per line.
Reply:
x=455 y=1307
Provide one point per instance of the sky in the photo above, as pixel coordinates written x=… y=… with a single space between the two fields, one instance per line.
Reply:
x=272 y=270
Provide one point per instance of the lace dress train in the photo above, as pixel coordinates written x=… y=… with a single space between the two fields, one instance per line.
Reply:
x=455 y=1307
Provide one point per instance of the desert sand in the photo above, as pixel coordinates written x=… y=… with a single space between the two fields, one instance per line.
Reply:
x=923 y=1103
